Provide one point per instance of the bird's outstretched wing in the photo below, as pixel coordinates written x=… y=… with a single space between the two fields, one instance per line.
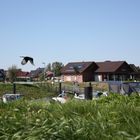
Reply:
x=23 y=62
x=26 y=59
x=32 y=61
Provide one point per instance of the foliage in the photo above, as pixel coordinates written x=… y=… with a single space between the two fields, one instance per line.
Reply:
x=56 y=68
x=12 y=73
x=34 y=91
x=49 y=67
x=41 y=76
x=76 y=69
x=138 y=68
x=113 y=117
x=2 y=75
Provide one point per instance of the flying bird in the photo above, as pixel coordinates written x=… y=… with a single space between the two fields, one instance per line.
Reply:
x=26 y=59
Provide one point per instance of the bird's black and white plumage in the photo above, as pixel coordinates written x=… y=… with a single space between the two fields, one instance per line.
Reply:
x=26 y=59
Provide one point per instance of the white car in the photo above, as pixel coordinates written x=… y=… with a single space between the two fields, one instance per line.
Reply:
x=80 y=97
x=96 y=95
x=60 y=98
x=10 y=97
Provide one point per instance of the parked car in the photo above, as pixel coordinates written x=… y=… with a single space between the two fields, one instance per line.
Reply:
x=80 y=97
x=10 y=97
x=60 y=98
x=96 y=95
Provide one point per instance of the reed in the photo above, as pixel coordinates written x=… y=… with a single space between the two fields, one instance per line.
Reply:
x=114 y=117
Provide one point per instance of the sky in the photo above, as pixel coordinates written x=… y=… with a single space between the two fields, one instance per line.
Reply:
x=69 y=31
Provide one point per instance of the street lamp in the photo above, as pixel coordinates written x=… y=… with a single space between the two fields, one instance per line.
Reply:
x=44 y=70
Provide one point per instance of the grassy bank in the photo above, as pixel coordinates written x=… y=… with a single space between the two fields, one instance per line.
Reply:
x=113 y=117
x=34 y=91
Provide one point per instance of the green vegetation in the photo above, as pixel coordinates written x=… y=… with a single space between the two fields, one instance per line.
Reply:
x=114 y=117
x=34 y=91
x=12 y=73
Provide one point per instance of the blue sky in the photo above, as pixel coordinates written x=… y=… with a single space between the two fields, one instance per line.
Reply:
x=69 y=30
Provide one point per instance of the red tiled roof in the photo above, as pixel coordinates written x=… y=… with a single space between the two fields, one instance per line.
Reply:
x=49 y=73
x=20 y=73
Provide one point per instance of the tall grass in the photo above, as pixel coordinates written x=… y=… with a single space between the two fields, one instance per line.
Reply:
x=113 y=117
x=34 y=91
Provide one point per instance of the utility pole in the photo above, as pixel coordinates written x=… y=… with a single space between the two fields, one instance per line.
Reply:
x=44 y=70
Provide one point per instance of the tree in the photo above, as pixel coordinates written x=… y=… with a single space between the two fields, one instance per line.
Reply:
x=138 y=68
x=76 y=71
x=2 y=75
x=41 y=76
x=49 y=67
x=12 y=73
x=56 y=68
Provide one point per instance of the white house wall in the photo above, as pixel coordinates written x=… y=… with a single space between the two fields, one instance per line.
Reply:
x=98 y=78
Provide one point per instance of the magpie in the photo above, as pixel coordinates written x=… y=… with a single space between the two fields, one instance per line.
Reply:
x=26 y=59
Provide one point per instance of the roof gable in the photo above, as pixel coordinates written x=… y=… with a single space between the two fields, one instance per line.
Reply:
x=109 y=66
x=135 y=69
x=35 y=73
x=80 y=67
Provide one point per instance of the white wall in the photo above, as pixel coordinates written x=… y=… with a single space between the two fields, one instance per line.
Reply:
x=98 y=78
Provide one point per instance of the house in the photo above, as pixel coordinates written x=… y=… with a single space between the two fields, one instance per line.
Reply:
x=79 y=71
x=99 y=71
x=2 y=75
x=49 y=74
x=113 y=71
x=22 y=75
x=34 y=74
x=136 y=72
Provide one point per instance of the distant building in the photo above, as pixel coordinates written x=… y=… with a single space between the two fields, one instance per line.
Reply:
x=34 y=74
x=98 y=71
x=22 y=75
x=2 y=75
x=113 y=71
x=79 y=71
x=49 y=74
x=136 y=72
